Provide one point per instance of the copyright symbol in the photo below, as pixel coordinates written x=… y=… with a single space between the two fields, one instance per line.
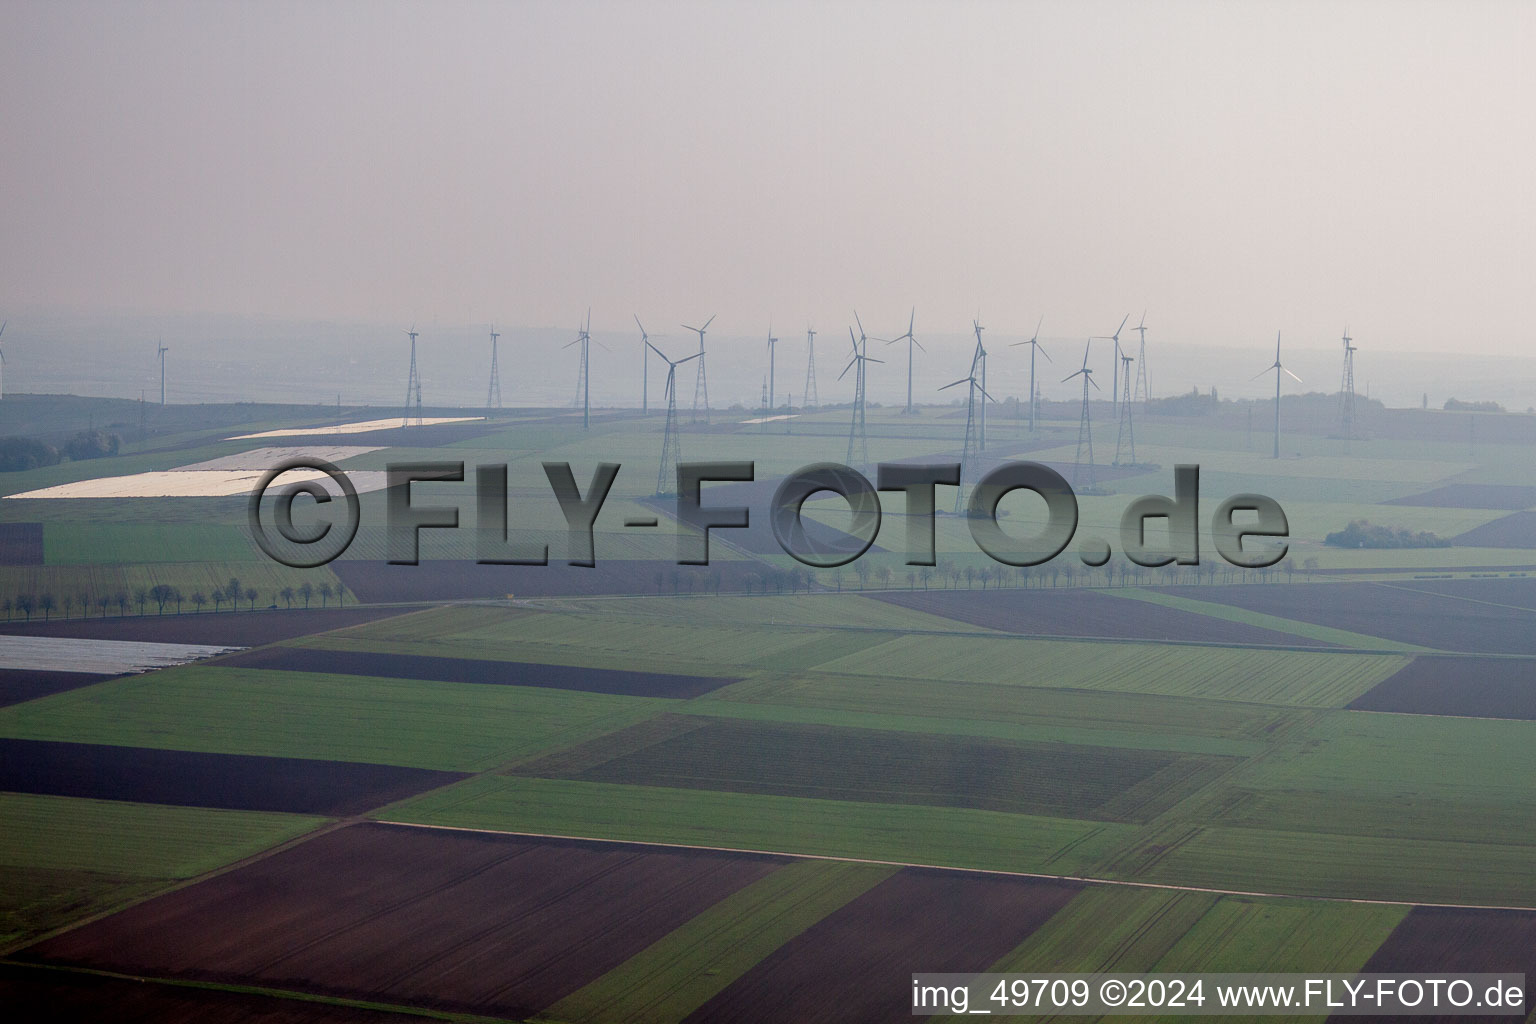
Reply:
x=1112 y=992
x=299 y=550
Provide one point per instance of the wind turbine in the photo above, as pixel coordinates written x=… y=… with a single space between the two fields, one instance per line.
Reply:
x=1278 y=371
x=967 y=455
x=911 y=341
x=808 y=398
x=772 y=341
x=645 y=369
x=700 y=383
x=1115 y=384
x=980 y=356
x=1084 y=423
x=1127 y=428
x=412 y=384
x=1141 y=390
x=1034 y=346
x=1347 y=391
x=493 y=392
x=856 y=427
x=584 y=379
x=671 y=442
x=163 y=350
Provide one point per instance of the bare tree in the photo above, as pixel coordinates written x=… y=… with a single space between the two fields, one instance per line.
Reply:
x=199 y=599
x=287 y=595
x=47 y=604
x=306 y=591
x=250 y=597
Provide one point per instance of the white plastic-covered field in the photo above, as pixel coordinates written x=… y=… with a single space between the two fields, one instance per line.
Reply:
x=263 y=459
x=355 y=428
x=194 y=483
x=113 y=657
x=217 y=478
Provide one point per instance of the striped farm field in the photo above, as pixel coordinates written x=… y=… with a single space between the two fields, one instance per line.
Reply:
x=829 y=762
x=77 y=543
x=448 y=726
x=958 y=837
x=1302 y=678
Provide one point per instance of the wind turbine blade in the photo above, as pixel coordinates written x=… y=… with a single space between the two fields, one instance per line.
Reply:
x=1143 y=322
x=1116 y=335
x=918 y=344
x=1041 y=349
x=1277 y=348
x=640 y=325
x=1038 y=326
x=2 y=328
x=693 y=329
x=872 y=359
x=658 y=351
x=848 y=367
x=1297 y=379
x=709 y=321
x=859 y=322
x=1075 y=373
x=962 y=380
x=984 y=393
x=1094 y=383
x=570 y=343
x=1261 y=373
x=599 y=344
x=683 y=360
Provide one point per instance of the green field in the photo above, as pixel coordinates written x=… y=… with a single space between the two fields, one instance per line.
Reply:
x=63 y=858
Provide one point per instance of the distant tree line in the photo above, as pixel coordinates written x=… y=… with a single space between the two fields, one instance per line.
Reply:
x=19 y=453
x=1363 y=534
x=947 y=574
x=1457 y=405
x=162 y=596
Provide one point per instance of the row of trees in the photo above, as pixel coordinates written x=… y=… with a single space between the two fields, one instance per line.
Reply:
x=20 y=453
x=163 y=596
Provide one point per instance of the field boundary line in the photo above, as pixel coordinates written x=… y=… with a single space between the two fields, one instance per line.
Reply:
x=1042 y=876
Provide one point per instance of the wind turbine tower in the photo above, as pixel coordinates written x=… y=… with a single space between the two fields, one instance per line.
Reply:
x=645 y=369
x=1278 y=371
x=981 y=358
x=700 y=383
x=2 y=362
x=1347 y=391
x=163 y=350
x=671 y=442
x=808 y=397
x=583 y=377
x=911 y=341
x=1141 y=392
x=1127 y=434
x=1115 y=384
x=412 y=384
x=1034 y=346
x=493 y=392
x=856 y=434
x=968 y=452
x=1084 y=423
x=772 y=341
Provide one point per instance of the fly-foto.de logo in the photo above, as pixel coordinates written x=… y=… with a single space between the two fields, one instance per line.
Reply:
x=1248 y=530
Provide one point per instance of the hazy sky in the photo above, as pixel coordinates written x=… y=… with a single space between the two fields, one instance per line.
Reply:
x=1236 y=167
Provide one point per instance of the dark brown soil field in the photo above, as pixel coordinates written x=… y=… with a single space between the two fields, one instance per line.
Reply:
x=21 y=543
x=1074 y=612
x=1391 y=611
x=235 y=629
x=476 y=670
x=1517 y=591
x=856 y=964
x=1516 y=530
x=1445 y=939
x=1505 y=496
x=447 y=580
x=19 y=684
x=65 y=997
x=1476 y=687
x=457 y=921
x=192 y=779
x=831 y=763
